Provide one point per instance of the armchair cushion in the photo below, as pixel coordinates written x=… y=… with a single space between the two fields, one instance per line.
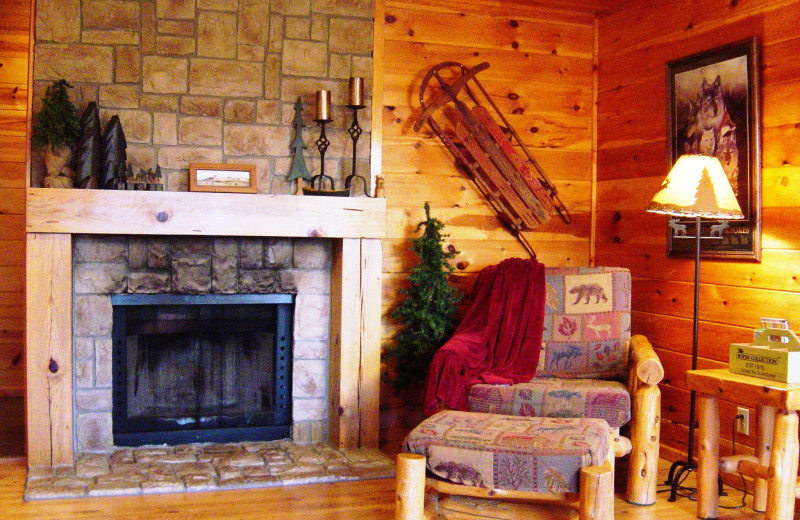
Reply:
x=513 y=453
x=586 y=323
x=556 y=397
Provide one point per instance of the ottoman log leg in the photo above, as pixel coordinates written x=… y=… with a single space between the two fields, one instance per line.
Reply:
x=410 y=487
x=596 y=500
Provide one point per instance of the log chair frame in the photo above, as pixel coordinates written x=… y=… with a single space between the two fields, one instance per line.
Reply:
x=644 y=373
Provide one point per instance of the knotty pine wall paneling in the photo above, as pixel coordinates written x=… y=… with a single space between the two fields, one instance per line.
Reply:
x=541 y=76
x=634 y=47
x=15 y=23
x=14 y=45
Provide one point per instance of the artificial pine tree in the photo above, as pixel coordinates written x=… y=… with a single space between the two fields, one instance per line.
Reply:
x=57 y=125
x=56 y=129
x=428 y=312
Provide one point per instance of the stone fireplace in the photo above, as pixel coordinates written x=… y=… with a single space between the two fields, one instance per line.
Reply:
x=106 y=268
x=212 y=81
x=85 y=245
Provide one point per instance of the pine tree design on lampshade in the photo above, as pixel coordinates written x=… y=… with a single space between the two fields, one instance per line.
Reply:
x=697 y=186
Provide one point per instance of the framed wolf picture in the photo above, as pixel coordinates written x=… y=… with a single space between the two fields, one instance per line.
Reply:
x=713 y=109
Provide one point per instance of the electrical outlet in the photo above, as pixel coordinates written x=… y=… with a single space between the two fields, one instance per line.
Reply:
x=743 y=424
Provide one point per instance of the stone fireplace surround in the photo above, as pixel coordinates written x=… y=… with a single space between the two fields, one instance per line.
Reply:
x=104 y=265
x=354 y=227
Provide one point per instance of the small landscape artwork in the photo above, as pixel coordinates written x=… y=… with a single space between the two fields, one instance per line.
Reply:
x=233 y=178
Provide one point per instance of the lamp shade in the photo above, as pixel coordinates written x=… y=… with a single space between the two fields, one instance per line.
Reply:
x=697 y=187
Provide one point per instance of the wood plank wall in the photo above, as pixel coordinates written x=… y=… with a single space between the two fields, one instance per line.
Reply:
x=14 y=47
x=14 y=43
x=634 y=46
x=541 y=77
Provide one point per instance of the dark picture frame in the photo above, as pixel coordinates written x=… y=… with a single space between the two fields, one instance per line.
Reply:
x=713 y=108
x=223 y=178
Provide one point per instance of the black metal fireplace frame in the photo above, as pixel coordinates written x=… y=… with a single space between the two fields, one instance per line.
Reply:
x=276 y=426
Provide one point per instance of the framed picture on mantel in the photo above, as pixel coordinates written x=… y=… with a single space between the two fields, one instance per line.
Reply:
x=713 y=109
x=226 y=178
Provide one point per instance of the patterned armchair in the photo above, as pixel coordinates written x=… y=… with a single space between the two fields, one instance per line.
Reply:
x=590 y=367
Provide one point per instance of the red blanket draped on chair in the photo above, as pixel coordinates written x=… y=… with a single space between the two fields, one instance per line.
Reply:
x=499 y=339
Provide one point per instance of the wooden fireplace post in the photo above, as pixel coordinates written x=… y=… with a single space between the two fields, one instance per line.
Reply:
x=48 y=346
x=355 y=343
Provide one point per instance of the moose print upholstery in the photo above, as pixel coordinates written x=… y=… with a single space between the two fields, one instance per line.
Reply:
x=590 y=367
x=537 y=454
x=553 y=397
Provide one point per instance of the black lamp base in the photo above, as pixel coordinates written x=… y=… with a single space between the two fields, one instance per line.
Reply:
x=678 y=469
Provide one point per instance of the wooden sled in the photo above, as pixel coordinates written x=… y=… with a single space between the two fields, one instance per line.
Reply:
x=515 y=185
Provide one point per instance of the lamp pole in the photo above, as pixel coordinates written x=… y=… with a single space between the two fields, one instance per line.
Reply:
x=687 y=466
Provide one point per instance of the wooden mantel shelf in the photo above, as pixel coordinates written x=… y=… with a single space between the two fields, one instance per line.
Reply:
x=355 y=226
x=211 y=214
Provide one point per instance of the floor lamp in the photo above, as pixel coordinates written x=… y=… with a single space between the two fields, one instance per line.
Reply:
x=695 y=187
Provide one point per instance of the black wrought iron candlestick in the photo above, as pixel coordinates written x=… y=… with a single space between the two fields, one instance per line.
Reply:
x=322 y=118
x=355 y=103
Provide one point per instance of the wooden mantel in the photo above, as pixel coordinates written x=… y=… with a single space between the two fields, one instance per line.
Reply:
x=356 y=226
x=211 y=214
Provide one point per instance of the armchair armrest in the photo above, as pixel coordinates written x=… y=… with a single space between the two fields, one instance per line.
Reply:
x=644 y=361
x=645 y=372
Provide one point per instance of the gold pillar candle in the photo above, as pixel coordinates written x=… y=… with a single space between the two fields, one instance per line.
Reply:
x=356 y=92
x=323 y=105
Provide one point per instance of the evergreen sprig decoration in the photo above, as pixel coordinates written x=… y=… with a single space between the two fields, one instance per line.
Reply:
x=428 y=313
x=58 y=123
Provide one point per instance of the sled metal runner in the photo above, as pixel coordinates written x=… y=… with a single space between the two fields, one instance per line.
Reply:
x=515 y=186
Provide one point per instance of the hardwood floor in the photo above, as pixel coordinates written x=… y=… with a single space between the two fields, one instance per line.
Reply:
x=372 y=500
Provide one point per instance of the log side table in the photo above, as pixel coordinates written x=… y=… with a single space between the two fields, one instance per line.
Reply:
x=774 y=466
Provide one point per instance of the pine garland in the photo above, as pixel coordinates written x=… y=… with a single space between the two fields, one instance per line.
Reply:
x=428 y=313
x=58 y=123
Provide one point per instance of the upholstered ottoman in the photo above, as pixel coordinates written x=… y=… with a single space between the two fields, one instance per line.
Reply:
x=537 y=454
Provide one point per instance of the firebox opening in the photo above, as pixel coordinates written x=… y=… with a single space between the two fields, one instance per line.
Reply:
x=201 y=368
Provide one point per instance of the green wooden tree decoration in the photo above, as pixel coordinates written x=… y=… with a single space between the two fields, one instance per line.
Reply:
x=299 y=169
x=428 y=313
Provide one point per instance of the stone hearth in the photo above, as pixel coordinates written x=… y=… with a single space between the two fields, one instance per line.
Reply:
x=205 y=467
x=106 y=265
